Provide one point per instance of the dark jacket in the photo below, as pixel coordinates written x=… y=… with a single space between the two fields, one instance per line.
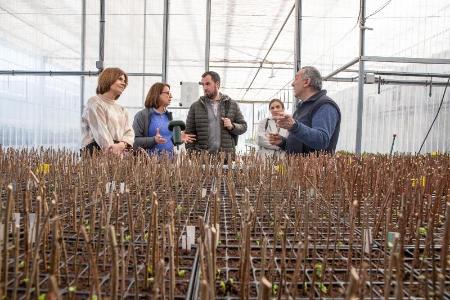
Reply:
x=197 y=123
x=140 y=126
x=304 y=115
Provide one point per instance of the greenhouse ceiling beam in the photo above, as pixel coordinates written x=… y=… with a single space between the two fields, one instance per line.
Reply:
x=384 y=81
x=342 y=79
x=253 y=101
x=187 y=107
x=140 y=107
x=248 y=61
x=411 y=60
x=400 y=73
x=48 y=73
x=250 y=67
x=254 y=88
x=270 y=49
x=67 y=73
x=411 y=82
x=344 y=67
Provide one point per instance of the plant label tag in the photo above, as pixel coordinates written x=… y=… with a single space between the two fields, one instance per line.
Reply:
x=110 y=187
x=217 y=233
x=391 y=236
x=31 y=228
x=203 y=192
x=30 y=184
x=367 y=240
x=16 y=218
x=190 y=236
x=122 y=187
x=2 y=233
x=184 y=242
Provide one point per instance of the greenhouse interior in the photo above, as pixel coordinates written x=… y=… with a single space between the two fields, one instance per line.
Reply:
x=181 y=149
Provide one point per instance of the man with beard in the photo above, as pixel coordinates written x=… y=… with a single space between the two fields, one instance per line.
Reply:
x=214 y=118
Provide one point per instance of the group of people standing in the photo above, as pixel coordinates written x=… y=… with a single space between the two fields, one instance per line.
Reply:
x=214 y=121
x=313 y=127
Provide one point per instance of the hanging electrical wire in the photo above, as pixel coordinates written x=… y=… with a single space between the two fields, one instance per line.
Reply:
x=268 y=51
x=435 y=117
x=342 y=38
x=379 y=9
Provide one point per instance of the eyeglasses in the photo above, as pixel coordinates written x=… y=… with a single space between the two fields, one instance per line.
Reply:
x=168 y=93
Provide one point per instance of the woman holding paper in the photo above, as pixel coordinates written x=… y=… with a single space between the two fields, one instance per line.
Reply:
x=268 y=125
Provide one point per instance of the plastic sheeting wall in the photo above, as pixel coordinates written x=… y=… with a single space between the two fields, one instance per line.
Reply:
x=402 y=110
x=40 y=110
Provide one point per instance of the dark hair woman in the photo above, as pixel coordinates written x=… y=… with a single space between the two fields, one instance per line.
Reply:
x=151 y=125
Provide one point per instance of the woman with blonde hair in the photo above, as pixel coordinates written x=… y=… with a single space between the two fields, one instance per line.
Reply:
x=104 y=123
x=151 y=125
x=267 y=126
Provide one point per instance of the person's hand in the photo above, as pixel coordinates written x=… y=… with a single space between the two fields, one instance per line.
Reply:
x=227 y=123
x=275 y=139
x=158 y=138
x=187 y=137
x=117 y=148
x=284 y=120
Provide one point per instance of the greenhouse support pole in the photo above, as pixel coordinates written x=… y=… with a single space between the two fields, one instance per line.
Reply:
x=83 y=53
x=165 y=40
x=359 y=107
x=144 y=49
x=298 y=45
x=208 y=34
x=253 y=121
x=298 y=35
x=101 y=46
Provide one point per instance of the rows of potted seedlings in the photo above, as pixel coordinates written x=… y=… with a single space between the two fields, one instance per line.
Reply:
x=193 y=227
x=370 y=226
x=97 y=227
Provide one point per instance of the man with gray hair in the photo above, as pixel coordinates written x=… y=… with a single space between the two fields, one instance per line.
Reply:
x=316 y=121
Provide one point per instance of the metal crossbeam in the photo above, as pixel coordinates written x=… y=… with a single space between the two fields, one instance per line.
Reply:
x=67 y=73
x=410 y=60
x=344 y=67
x=383 y=81
x=402 y=73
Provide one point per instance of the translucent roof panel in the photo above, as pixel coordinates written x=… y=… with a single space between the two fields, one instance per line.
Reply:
x=186 y=46
x=46 y=29
x=241 y=34
x=252 y=48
